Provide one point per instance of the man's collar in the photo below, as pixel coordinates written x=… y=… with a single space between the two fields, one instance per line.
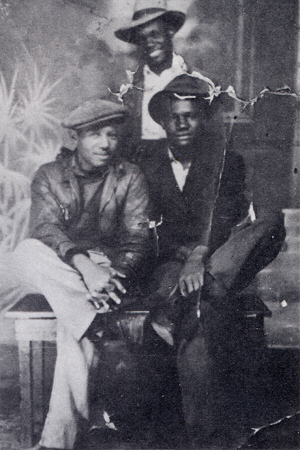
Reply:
x=170 y=155
x=177 y=62
x=185 y=165
x=79 y=171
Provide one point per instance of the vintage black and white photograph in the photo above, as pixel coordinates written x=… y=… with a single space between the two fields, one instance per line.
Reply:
x=149 y=225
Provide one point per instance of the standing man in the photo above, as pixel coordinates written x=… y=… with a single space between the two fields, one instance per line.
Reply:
x=209 y=250
x=152 y=29
x=89 y=240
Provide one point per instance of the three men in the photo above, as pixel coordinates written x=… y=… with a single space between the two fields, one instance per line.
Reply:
x=89 y=241
x=209 y=250
x=89 y=225
x=90 y=238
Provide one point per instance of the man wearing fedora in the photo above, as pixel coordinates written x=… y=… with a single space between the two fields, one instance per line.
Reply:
x=151 y=29
x=88 y=242
x=210 y=245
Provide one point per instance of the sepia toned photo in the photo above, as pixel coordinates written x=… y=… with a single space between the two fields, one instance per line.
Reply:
x=149 y=225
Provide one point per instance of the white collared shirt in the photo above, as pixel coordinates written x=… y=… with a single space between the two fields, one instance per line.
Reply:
x=180 y=171
x=154 y=83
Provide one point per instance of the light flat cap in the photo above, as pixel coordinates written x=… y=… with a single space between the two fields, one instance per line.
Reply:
x=95 y=112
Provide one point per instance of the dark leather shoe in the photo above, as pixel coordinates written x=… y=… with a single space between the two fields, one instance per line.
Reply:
x=163 y=315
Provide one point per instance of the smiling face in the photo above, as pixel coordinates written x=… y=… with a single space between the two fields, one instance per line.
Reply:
x=155 y=42
x=183 y=121
x=97 y=146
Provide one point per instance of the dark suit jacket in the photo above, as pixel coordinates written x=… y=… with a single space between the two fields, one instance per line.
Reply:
x=203 y=205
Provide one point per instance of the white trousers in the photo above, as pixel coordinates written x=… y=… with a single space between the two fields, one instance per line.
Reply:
x=35 y=268
x=70 y=390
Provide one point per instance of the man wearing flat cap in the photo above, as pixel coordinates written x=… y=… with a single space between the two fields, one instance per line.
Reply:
x=210 y=246
x=88 y=243
x=151 y=29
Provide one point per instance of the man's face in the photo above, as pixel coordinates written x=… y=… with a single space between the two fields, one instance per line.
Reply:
x=184 y=119
x=156 y=43
x=97 y=146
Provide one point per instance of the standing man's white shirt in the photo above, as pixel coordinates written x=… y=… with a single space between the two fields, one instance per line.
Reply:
x=180 y=171
x=154 y=83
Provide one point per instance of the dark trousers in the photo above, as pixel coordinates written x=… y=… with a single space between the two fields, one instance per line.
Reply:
x=210 y=351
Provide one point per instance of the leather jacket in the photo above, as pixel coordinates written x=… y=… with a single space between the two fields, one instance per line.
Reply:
x=122 y=227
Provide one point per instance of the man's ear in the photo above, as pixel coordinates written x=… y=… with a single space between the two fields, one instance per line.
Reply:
x=73 y=135
x=162 y=123
x=171 y=33
x=69 y=138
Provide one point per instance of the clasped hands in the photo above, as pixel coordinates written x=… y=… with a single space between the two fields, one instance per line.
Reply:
x=102 y=290
x=101 y=282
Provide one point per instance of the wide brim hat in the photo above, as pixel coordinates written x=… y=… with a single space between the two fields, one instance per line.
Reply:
x=182 y=87
x=92 y=113
x=145 y=13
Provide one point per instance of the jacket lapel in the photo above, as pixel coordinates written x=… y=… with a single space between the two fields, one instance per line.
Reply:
x=206 y=167
x=110 y=185
x=202 y=183
x=70 y=180
x=169 y=184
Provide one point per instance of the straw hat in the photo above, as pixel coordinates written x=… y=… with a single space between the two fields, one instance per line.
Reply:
x=147 y=10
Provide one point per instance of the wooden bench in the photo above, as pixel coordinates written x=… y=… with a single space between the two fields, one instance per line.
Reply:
x=35 y=327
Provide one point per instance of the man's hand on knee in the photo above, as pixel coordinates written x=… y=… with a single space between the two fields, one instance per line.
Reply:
x=192 y=273
x=191 y=277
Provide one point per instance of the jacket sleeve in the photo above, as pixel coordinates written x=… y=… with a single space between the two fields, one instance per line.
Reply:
x=134 y=245
x=47 y=215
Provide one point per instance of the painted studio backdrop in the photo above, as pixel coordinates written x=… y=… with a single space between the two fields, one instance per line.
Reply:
x=57 y=53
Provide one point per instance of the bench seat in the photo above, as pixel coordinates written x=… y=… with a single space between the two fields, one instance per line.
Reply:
x=35 y=328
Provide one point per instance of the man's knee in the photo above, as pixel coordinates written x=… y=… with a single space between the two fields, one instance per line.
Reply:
x=247 y=251
x=274 y=236
x=32 y=251
x=33 y=259
x=29 y=247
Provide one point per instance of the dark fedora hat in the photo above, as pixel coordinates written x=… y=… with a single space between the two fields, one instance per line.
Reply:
x=182 y=87
x=95 y=112
x=147 y=10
